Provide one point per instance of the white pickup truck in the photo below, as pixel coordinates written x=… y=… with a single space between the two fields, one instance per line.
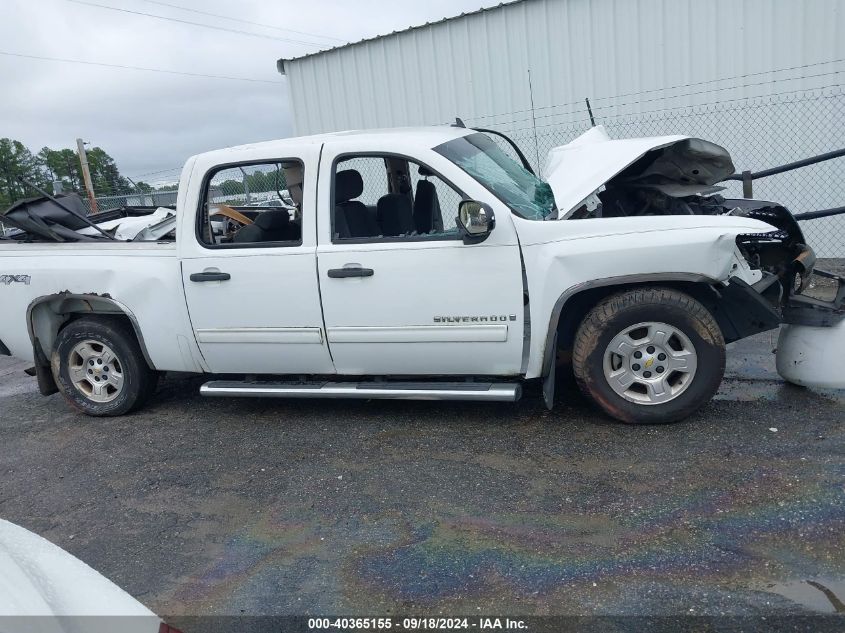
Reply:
x=424 y=263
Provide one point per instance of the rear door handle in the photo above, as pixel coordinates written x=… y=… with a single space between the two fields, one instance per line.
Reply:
x=210 y=276
x=351 y=271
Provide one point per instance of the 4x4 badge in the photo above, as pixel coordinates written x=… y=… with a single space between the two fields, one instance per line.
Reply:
x=7 y=280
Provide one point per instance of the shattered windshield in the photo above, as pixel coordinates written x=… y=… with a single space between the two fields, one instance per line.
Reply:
x=479 y=156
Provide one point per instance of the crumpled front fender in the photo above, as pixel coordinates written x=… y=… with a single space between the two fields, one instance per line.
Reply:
x=587 y=254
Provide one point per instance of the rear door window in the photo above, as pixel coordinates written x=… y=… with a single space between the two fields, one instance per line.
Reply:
x=252 y=204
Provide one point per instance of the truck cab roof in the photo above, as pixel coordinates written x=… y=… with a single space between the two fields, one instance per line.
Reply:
x=425 y=135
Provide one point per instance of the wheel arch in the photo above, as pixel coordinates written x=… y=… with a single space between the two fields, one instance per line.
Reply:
x=48 y=314
x=579 y=299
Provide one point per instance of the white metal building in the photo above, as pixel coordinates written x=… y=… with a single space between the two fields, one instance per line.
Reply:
x=477 y=64
x=767 y=75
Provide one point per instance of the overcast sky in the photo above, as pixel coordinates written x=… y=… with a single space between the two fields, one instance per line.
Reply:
x=152 y=121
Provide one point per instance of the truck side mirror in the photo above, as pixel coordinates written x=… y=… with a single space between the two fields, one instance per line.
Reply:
x=475 y=221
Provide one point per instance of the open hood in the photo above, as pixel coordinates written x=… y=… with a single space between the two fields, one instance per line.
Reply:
x=673 y=165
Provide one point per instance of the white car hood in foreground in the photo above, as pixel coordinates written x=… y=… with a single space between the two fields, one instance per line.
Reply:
x=38 y=578
x=579 y=168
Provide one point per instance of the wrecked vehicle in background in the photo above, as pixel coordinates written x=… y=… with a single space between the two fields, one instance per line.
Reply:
x=64 y=218
x=420 y=263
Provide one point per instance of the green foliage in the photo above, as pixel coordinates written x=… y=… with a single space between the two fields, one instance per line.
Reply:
x=231 y=187
x=104 y=174
x=62 y=165
x=267 y=178
x=16 y=161
x=59 y=165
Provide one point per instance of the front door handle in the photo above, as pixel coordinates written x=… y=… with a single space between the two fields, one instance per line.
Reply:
x=210 y=276
x=351 y=271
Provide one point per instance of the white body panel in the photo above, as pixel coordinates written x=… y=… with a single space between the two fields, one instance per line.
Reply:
x=812 y=356
x=266 y=319
x=384 y=325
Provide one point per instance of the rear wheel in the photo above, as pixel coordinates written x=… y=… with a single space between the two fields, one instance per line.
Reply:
x=649 y=355
x=99 y=368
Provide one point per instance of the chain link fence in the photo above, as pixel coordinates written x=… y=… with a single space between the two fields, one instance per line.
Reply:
x=138 y=199
x=759 y=132
x=154 y=189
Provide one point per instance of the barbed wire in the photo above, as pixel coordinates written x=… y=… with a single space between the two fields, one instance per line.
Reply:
x=675 y=87
x=669 y=109
x=583 y=107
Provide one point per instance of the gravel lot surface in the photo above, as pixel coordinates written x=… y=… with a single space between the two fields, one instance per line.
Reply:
x=200 y=506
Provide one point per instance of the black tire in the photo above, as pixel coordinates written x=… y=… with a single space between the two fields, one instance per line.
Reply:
x=138 y=380
x=642 y=305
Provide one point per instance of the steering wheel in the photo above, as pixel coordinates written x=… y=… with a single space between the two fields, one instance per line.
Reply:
x=232 y=214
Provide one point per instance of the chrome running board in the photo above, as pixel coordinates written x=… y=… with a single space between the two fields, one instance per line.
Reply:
x=491 y=392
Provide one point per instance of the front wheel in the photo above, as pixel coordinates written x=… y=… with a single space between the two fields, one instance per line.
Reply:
x=99 y=368
x=649 y=355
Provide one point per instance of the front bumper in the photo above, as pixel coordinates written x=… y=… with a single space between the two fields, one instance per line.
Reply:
x=805 y=310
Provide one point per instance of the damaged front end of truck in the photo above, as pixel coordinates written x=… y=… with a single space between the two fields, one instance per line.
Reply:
x=596 y=177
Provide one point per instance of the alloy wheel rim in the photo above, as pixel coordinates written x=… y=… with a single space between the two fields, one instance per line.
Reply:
x=96 y=371
x=650 y=363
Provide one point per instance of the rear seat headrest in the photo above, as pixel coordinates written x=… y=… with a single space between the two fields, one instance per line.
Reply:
x=272 y=220
x=394 y=214
x=348 y=184
x=393 y=203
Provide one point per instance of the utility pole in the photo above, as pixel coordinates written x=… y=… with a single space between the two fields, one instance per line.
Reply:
x=86 y=174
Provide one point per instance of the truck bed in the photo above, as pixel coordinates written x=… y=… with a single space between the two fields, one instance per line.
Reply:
x=61 y=219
